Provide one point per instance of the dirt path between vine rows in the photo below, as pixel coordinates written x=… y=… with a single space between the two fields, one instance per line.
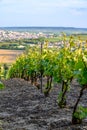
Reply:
x=24 y=107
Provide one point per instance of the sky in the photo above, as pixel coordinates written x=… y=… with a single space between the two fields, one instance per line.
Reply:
x=52 y=13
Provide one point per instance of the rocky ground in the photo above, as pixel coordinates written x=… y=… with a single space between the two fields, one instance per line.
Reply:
x=23 y=107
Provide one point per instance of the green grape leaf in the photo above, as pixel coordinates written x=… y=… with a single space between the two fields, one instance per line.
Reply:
x=1 y=85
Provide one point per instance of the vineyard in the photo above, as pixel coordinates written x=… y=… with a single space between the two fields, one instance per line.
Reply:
x=46 y=67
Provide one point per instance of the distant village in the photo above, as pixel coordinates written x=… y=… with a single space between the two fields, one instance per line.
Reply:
x=6 y=36
x=11 y=35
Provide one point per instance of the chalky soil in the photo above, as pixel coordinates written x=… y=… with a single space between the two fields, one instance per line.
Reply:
x=24 y=107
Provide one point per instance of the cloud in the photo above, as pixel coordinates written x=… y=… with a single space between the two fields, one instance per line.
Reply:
x=75 y=7
x=82 y=9
x=78 y=11
x=49 y=3
x=61 y=3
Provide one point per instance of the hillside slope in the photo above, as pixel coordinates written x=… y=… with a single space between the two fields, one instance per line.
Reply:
x=23 y=107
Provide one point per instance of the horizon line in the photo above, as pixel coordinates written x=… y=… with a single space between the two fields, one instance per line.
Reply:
x=43 y=27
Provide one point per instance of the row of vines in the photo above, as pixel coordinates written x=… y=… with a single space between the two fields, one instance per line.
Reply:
x=57 y=64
